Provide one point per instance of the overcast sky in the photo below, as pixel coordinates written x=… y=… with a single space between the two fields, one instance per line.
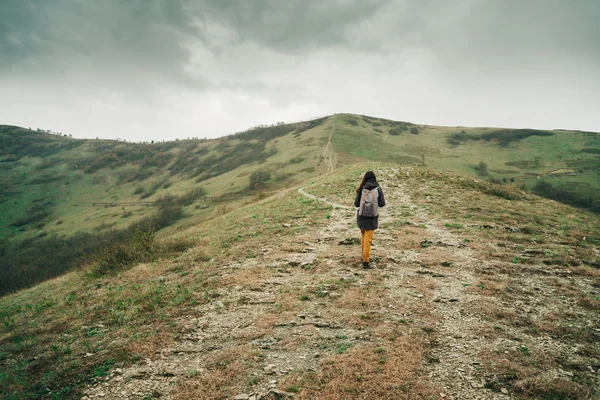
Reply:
x=161 y=69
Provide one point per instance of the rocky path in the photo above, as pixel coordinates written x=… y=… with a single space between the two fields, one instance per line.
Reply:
x=328 y=155
x=313 y=268
x=453 y=361
x=302 y=191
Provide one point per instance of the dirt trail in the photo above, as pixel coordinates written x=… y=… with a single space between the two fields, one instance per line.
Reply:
x=313 y=197
x=235 y=317
x=328 y=155
x=454 y=359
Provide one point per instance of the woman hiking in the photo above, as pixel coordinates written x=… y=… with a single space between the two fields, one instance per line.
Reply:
x=369 y=197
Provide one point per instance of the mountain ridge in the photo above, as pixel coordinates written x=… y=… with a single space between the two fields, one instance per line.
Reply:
x=56 y=189
x=479 y=290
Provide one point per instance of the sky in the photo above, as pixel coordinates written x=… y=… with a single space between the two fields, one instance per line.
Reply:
x=146 y=70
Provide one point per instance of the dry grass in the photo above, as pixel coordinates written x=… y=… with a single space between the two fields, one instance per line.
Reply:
x=217 y=384
x=390 y=371
x=495 y=312
x=267 y=321
x=531 y=375
x=148 y=347
x=250 y=276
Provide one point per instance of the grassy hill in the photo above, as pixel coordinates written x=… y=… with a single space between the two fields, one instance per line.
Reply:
x=479 y=291
x=63 y=197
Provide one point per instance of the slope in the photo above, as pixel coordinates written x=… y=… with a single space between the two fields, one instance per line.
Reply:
x=479 y=291
x=562 y=165
x=81 y=196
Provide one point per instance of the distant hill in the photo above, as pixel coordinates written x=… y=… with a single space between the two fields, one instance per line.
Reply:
x=62 y=197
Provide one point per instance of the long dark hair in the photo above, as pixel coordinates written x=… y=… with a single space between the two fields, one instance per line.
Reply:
x=369 y=175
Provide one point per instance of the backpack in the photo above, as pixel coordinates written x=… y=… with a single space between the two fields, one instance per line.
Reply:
x=369 y=204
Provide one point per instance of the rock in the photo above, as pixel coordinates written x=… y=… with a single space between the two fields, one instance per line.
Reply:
x=242 y=396
x=426 y=243
x=504 y=390
x=280 y=394
x=167 y=373
x=349 y=241
x=270 y=369
x=287 y=225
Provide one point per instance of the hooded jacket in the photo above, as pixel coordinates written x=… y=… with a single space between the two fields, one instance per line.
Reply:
x=368 y=223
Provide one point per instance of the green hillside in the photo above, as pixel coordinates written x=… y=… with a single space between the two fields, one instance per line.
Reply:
x=62 y=198
x=479 y=291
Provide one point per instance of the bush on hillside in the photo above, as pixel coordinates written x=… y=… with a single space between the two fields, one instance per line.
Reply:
x=563 y=195
x=397 y=131
x=503 y=137
x=258 y=178
x=414 y=130
x=482 y=168
x=34 y=260
x=136 y=248
x=183 y=200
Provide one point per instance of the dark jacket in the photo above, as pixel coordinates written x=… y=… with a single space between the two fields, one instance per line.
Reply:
x=368 y=223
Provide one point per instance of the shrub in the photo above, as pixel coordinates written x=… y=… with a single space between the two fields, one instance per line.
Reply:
x=563 y=195
x=138 y=247
x=258 y=178
x=482 y=168
x=185 y=199
x=35 y=217
x=414 y=130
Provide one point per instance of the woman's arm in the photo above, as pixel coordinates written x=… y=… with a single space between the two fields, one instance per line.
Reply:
x=380 y=199
x=357 y=199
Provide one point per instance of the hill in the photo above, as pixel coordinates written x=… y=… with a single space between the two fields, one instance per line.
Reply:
x=478 y=291
x=62 y=198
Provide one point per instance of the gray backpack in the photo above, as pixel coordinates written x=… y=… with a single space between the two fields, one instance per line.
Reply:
x=369 y=205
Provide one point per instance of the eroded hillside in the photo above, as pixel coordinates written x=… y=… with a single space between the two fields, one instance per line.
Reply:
x=479 y=291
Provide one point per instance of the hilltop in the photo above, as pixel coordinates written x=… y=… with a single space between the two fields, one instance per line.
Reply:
x=479 y=291
x=81 y=196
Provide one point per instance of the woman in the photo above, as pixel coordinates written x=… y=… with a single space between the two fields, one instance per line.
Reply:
x=369 y=197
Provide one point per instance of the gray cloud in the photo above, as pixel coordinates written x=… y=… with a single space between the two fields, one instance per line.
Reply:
x=160 y=69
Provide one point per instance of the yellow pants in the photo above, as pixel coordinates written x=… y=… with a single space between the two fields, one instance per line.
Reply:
x=365 y=240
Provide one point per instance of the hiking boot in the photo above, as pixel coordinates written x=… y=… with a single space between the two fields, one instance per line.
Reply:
x=366 y=265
